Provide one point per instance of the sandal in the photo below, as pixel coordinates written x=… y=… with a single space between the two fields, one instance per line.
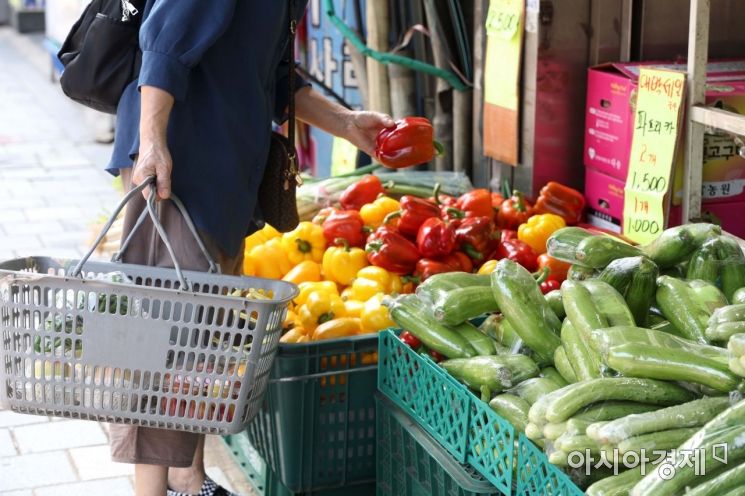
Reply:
x=209 y=488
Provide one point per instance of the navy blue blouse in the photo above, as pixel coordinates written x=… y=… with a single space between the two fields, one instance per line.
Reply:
x=225 y=63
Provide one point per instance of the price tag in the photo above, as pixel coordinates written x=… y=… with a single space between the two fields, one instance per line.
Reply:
x=503 y=18
x=656 y=130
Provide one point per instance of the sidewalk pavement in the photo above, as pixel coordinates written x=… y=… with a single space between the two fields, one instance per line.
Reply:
x=52 y=189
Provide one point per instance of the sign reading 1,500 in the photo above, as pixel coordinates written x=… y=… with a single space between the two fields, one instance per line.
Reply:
x=648 y=182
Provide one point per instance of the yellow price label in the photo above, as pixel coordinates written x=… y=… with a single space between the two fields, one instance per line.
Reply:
x=504 y=18
x=655 y=136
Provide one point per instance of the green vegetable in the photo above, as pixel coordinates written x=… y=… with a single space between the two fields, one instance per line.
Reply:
x=736 y=366
x=576 y=426
x=609 y=303
x=554 y=301
x=483 y=344
x=554 y=375
x=511 y=408
x=525 y=308
x=724 y=331
x=616 y=485
x=575 y=396
x=733 y=266
x=726 y=322
x=533 y=389
x=635 y=278
x=580 y=273
x=704 y=263
x=554 y=431
x=729 y=479
x=678 y=304
x=738 y=296
x=611 y=410
x=560 y=458
x=561 y=362
x=437 y=286
x=736 y=344
x=459 y=305
x=676 y=244
x=569 y=443
x=598 y=251
x=726 y=428
x=538 y=409
x=730 y=313
x=707 y=296
x=413 y=315
x=656 y=441
x=645 y=361
x=563 y=243
x=582 y=359
x=496 y=373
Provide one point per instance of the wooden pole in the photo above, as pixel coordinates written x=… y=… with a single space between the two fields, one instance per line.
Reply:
x=378 y=19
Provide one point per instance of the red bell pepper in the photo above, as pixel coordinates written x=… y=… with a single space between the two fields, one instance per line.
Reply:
x=426 y=268
x=477 y=203
x=514 y=211
x=508 y=234
x=323 y=214
x=435 y=238
x=459 y=261
x=391 y=251
x=519 y=252
x=364 y=191
x=477 y=237
x=557 y=269
x=410 y=142
x=414 y=211
x=347 y=225
x=496 y=201
x=561 y=200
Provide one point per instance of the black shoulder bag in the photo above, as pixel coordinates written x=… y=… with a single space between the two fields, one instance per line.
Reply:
x=277 y=199
x=101 y=54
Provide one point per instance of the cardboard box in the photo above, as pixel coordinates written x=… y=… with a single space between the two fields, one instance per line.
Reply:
x=605 y=194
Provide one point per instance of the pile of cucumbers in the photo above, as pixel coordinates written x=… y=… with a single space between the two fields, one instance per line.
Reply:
x=642 y=348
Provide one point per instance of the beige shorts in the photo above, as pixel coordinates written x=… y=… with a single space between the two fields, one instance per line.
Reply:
x=145 y=445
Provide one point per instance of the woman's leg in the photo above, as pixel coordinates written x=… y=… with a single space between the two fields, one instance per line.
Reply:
x=189 y=480
x=151 y=480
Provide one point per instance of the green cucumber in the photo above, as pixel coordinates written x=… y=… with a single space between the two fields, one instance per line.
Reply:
x=582 y=359
x=736 y=366
x=511 y=408
x=611 y=410
x=580 y=273
x=609 y=303
x=656 y=441
x=581 y=309
x=433 y=288
x=496 y=373
x=572 y=398
x=675 y=245
x=733 y=266
x=534 y=432
x=554 y=301
x=598 y=251
x=563 y=243
x=736 y=345
x=559 y=458
x=576 y=426
x=729 y=479
x=616 y=485
x=704 y=264
x=561 y=362
x=724 y=331
x=679 y=307
x=730 y=313
x=484 y=345
x=522 y=303
x=738 y=296
x=538 y=410
x=554 y=375
x=533 y=389
x=707 y=296
x=569 y=443
x=554 y=431
x=635 y=278
x=644 y=361
x=459 y=305
x=691 y=414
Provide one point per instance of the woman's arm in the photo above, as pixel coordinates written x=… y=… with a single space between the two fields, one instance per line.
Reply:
x=154 y=157
x=358 y=127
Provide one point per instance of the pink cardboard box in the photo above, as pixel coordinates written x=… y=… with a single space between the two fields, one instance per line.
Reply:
x=609 y=118
x=604 y=195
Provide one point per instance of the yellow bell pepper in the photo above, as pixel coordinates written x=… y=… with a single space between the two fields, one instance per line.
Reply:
x=249 y=268
x=537 y=230
x=305 y=242
x=306 y=288
x=372 y=280
x=353 y=307
x=488 y=267
x=337 y=328
x=292 y=335
x=260 y=237
x=320 y=307
x=290 y=320
x=342 y=263
x=373 y=213
x=305 y=271
x=270 y=260
x=347 y=294
x=375 y=316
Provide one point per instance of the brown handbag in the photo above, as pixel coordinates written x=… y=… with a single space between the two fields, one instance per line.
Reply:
x=281 y=178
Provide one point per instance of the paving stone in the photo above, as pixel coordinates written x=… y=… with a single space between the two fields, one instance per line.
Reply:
x=21 y=228
x=12 y=419
x=19 y=242
x=120 y=486
x=95 y=463
x=58 y=435
x=7 y=447
x=40 y=469
x=24 y=492
x=38 y=214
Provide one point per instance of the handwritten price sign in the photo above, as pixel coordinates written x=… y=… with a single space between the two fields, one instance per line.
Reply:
x=656 y=128
x=503 y=18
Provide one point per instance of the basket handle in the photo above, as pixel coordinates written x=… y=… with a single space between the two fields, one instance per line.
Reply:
x=150 y=208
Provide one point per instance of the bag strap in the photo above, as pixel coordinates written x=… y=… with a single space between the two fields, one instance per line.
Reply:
x=293 y=172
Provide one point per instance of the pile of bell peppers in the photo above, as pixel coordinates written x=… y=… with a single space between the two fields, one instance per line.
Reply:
x=372 y=244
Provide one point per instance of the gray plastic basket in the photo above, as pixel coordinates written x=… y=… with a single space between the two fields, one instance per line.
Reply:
x=173 y=350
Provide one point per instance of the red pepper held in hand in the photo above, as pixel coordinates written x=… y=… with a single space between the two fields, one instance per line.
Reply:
x=391 y=251
x=557 y=269
x=414 y=211
x=435 y=238
x=364 y=191
x=476 y=203
x=476 y=237
x=514 y=211
x=410 y=142
x=519 y=252
x=561 y=200
x=347 y=225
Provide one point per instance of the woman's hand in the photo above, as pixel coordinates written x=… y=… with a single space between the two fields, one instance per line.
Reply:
x=154 y=159
x=363 y=126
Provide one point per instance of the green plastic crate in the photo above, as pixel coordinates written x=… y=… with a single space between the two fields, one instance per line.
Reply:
x=471 y=431
x=412 y=463
x=267 y=483
x=316 y=428
x=537 y=477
